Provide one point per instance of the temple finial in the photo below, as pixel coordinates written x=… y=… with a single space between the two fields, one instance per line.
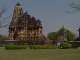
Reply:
x=18 y=4
x=26 y=12
x=63 y=26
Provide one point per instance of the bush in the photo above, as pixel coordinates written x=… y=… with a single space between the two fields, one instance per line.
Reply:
x=25 y=44
x=22 y=47
x=12 y=46
x=15 y=46
x=66 y=45
x=9 y=46
x=42 y=47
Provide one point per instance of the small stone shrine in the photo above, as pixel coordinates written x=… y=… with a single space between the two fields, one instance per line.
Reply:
x=63 y=34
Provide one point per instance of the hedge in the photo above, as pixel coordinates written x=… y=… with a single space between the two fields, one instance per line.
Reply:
x=42 y=47
x=65 y=45
x=12 y=46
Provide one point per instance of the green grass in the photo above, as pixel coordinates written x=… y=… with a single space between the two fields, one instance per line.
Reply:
x=40 y=54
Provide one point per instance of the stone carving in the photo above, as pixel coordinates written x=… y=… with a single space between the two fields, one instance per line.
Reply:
x=24 y=27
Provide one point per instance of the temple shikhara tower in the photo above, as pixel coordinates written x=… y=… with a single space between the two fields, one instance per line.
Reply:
x=24 y=27
x=63 y=34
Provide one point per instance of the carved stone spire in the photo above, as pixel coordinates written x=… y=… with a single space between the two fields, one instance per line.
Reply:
x=26 y=13
x=21 y=13
x=63 y=34
x=17 y=11
x=18 y=4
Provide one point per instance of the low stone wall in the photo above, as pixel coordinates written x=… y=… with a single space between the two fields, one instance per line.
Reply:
x=75 y=44
x=30 y=42
x=40 y=42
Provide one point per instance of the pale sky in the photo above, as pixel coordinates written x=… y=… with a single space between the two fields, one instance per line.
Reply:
x=52 y=14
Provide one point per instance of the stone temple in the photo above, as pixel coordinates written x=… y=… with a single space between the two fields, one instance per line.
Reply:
x=24 y=27
x=63 y=34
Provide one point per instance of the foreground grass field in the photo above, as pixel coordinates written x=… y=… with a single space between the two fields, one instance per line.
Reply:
x=40 y=54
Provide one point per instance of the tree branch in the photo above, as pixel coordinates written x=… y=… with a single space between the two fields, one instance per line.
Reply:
x=75 y=6
x=2 y=11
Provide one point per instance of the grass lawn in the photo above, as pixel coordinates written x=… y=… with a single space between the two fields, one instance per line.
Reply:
x=40 y=54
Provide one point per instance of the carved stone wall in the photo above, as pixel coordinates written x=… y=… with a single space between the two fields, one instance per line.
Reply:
x=24 y=27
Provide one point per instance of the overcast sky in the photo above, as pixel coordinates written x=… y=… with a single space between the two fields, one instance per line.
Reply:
x=52 y=14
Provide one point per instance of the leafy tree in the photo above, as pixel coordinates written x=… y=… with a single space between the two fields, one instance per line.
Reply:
x=3 y=37
x=70 y=35
x=55 y=35
x=52 y=35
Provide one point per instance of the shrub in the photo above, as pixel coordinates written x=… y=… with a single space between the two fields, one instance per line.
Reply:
x=25 y=44
x=15 y=46
x=66 y=45
x=21 y=47
x=10 y=46
x=42 y=47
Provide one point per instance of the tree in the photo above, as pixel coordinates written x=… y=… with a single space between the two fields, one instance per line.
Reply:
x=52 y=35
x=55 y=35
x=3 y=37
x=70 y=35
x=2 y=11
x=75 y=6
